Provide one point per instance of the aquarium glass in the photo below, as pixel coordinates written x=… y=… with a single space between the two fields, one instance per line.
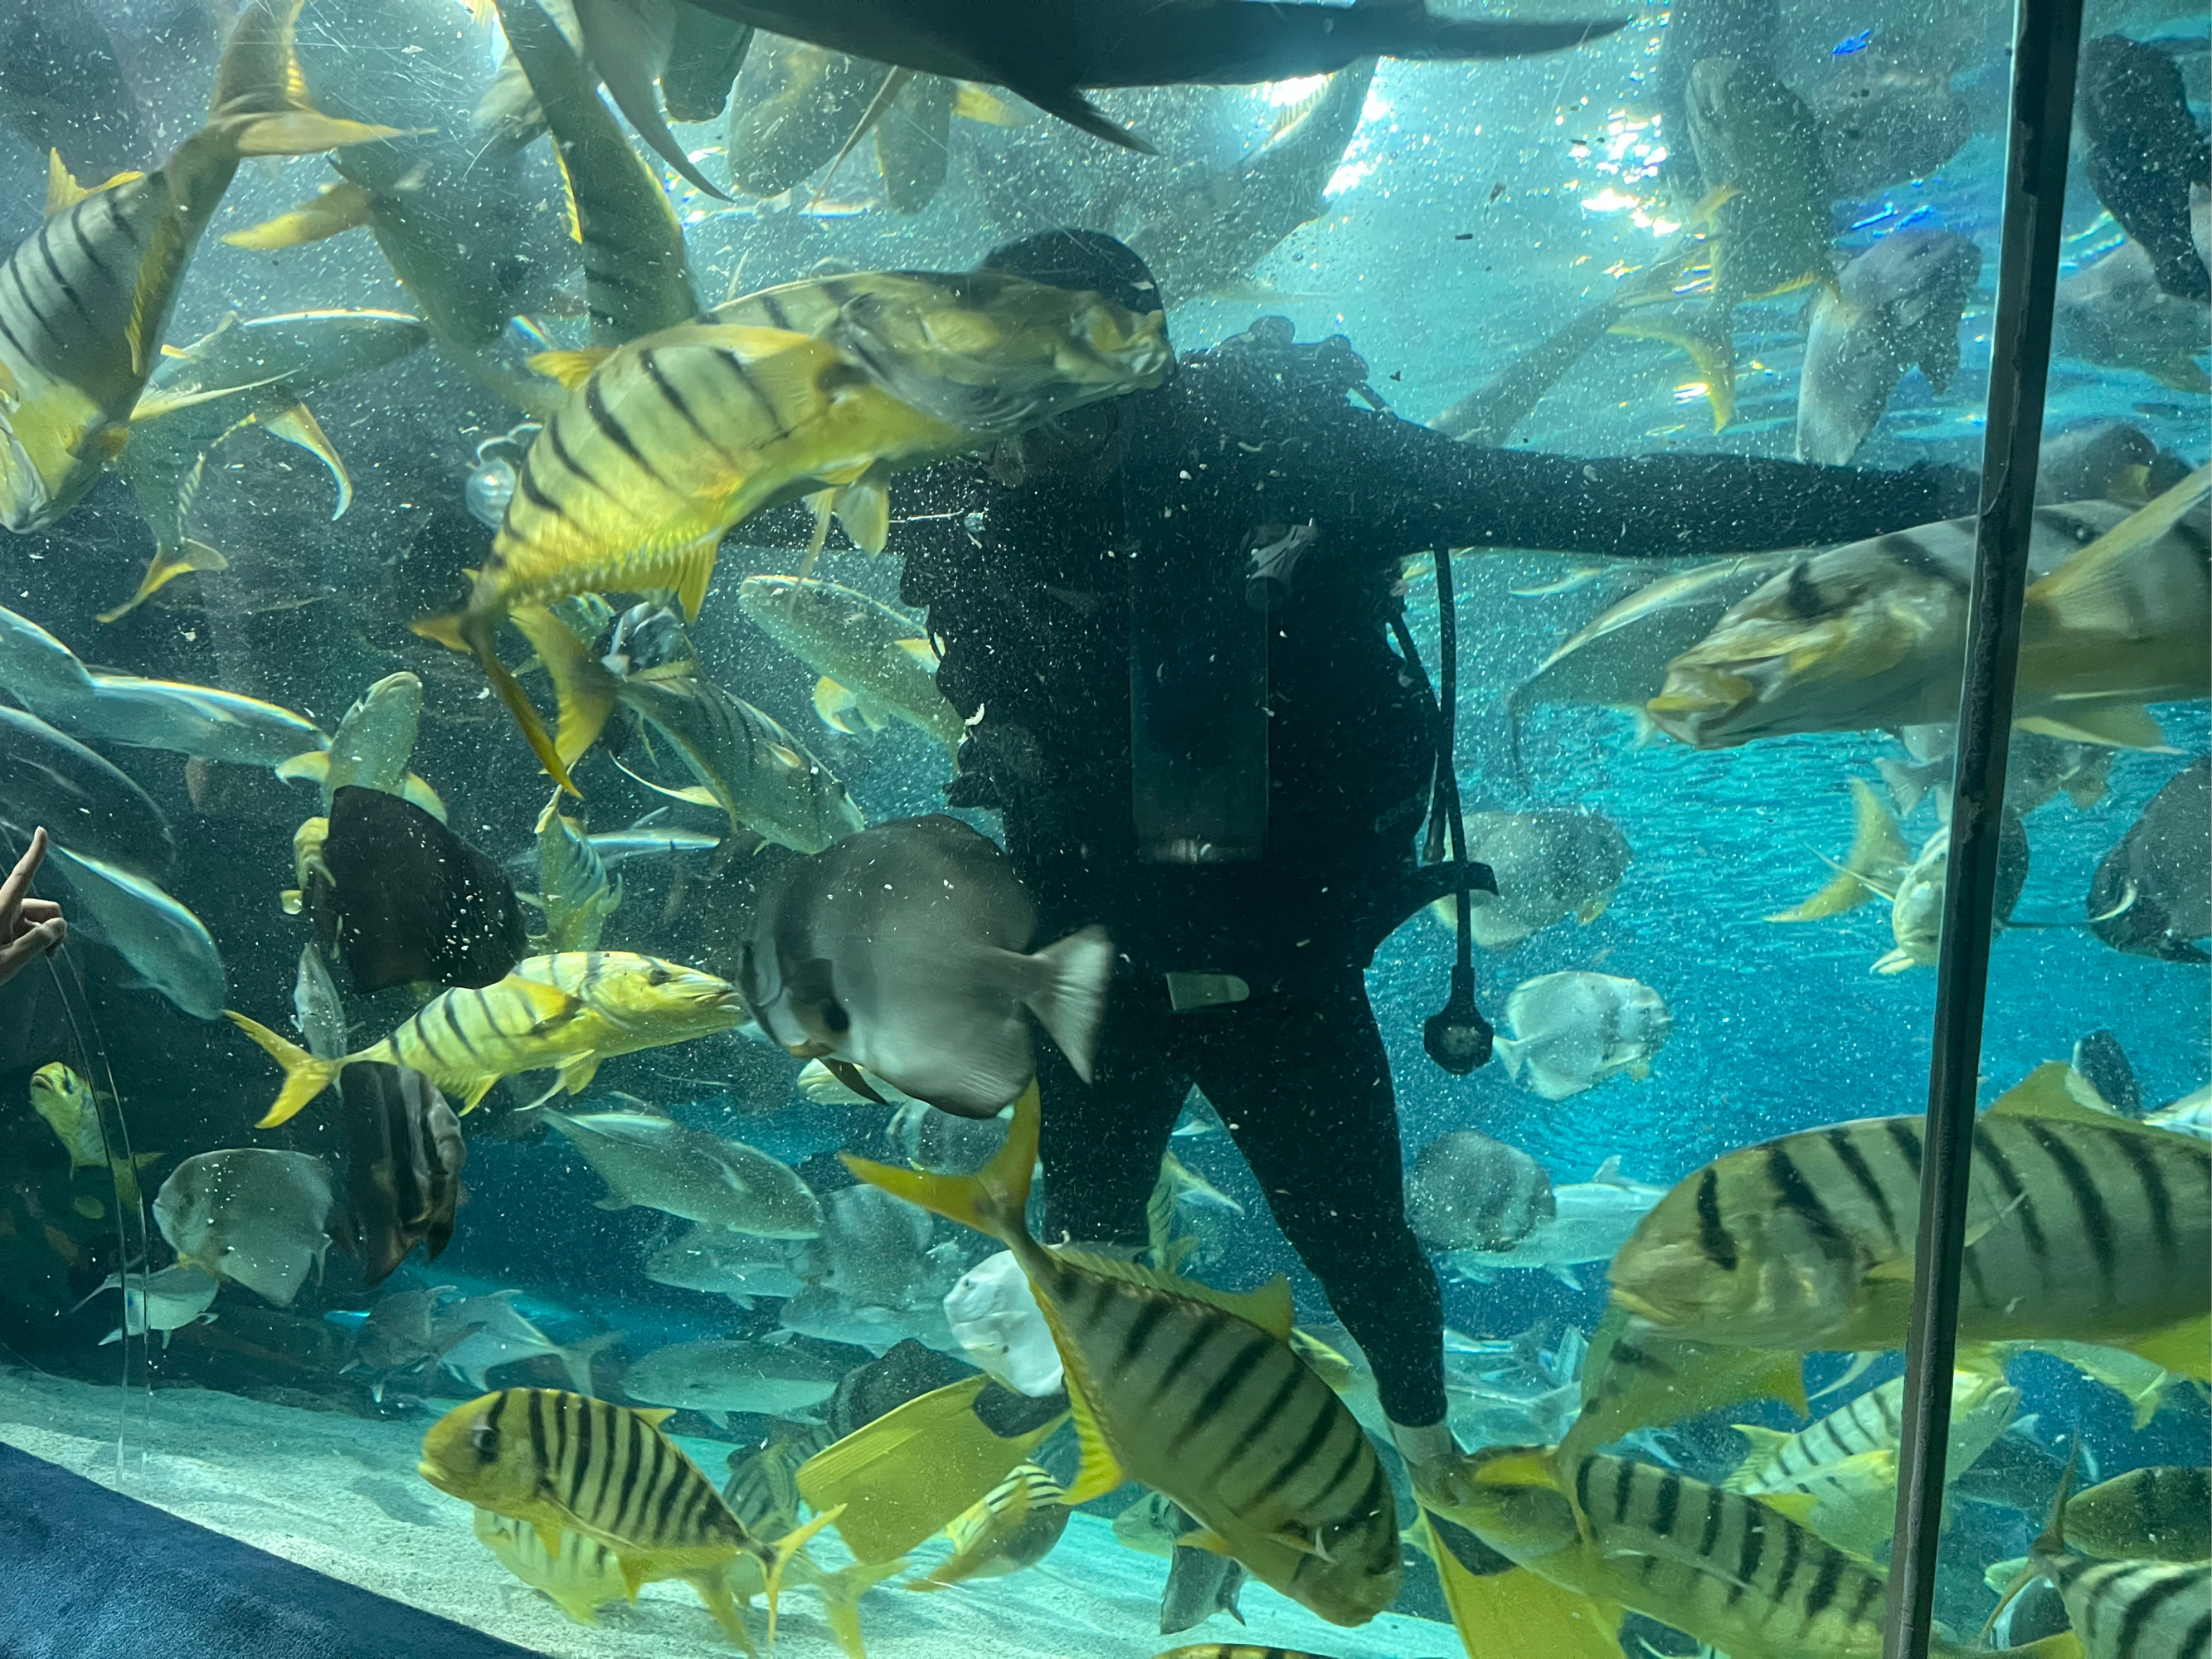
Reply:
x=625 y=707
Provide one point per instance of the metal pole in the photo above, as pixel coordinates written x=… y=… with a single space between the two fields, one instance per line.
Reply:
x=2047 y=37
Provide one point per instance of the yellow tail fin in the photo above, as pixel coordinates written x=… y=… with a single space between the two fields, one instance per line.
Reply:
x=775 y=1557
x=1877 y=856
x=993 y=1199
x=260 y=105
x=584 y=688
x=304 y=1077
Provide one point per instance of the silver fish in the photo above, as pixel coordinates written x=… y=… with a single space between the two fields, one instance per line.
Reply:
x=2152 y=895
x=653 y=1160
x=317 y=1008
x=1549 y=864
x=768 y=1379
x=1897 y=305
x=97 y=705
x=712 y=1260
x=250 y=1213
x=167 y=1301
x=1573 y=1031
x=50 y=781
x=164 y=943
x=905 y=950
x=1466 y=1191
x=1590 y=1220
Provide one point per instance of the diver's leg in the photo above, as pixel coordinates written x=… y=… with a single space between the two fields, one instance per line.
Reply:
x=1102 y=1141
x=1301 y=1077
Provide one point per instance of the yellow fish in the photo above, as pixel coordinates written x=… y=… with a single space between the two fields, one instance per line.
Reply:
x=663 y=445
x=565 y=1012
x=84 y=303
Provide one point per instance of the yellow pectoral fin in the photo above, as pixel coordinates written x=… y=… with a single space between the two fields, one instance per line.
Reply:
x=298 y=425
x=569 y=369
x=865 y=509
x=165 y=568
x=2184 y=1350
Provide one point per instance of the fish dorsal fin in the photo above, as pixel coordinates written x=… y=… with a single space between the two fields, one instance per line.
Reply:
x=657 y=1415
x=62 y=191
x=2042 y=1094
x=2088 y=591
x=1268 y=1307
x=750 y=341
x=1609 y=1174
x=1100 y=1472
x=921 y=650
x=569 y=369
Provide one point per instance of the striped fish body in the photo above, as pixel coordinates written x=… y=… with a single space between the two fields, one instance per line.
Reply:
x=1213 y=1408
x=581 y=1575
x=2160 y=1513
x=1864 y=636
x=676 y=437
x=1197 y=1394
x=557 y=1462
x=2134 y=1609
x=764 y=778
x=2081 y=1224
x=857 y=641
x=565 y=1012
x=636 y=277
x=84 y=302
x=576 y=898
x=1837 y=1455
x=1011 y=1527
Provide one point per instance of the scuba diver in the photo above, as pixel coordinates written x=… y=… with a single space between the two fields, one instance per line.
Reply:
x=1167 y=619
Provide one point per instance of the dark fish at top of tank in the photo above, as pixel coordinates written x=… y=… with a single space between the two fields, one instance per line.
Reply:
x=405 y=1153
x=2143 y=152
x=408 y=900
x=84 y=803
x=2152 y=894
x=1050 y=50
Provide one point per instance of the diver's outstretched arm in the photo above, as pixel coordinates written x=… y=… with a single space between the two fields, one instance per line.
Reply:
x=1646 y=506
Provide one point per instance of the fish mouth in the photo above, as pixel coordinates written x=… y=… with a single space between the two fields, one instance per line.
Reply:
x=436 y=1476
x=1639 y=1307
x=1696 y=705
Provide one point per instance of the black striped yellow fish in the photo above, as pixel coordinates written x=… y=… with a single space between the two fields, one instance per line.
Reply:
x=1873 y=634
x=2138 y=1609
x=747 y=762
x=2081 y=1224
x=564 y=1013
x=579 y=1574
x=637 y=278
x=1718 y=1566
x=559 y=1462
x=1011 y=1527
x=2159 y=1514
x=1196 y=1393
x=84 y=303
x=1840 y=1476
x=664 y=444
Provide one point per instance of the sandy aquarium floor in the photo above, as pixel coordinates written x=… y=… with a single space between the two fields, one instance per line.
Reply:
x=341 y=1495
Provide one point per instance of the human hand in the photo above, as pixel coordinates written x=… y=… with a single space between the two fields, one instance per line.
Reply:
x=29 y=928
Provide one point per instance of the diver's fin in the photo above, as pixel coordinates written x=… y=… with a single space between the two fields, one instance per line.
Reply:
x=910 y=1472
x=166 y=565
x=991 y=1200
x=1877 y=855
x=304 y=1077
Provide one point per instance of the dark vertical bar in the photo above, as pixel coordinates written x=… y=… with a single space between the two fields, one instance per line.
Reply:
x=2047 y=37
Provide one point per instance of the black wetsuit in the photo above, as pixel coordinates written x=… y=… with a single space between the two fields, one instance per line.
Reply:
x=1027 y=586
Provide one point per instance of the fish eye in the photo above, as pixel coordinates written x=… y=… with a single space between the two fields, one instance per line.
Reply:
x=484 y=1439
x=835 y=1018
x=658 y=976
